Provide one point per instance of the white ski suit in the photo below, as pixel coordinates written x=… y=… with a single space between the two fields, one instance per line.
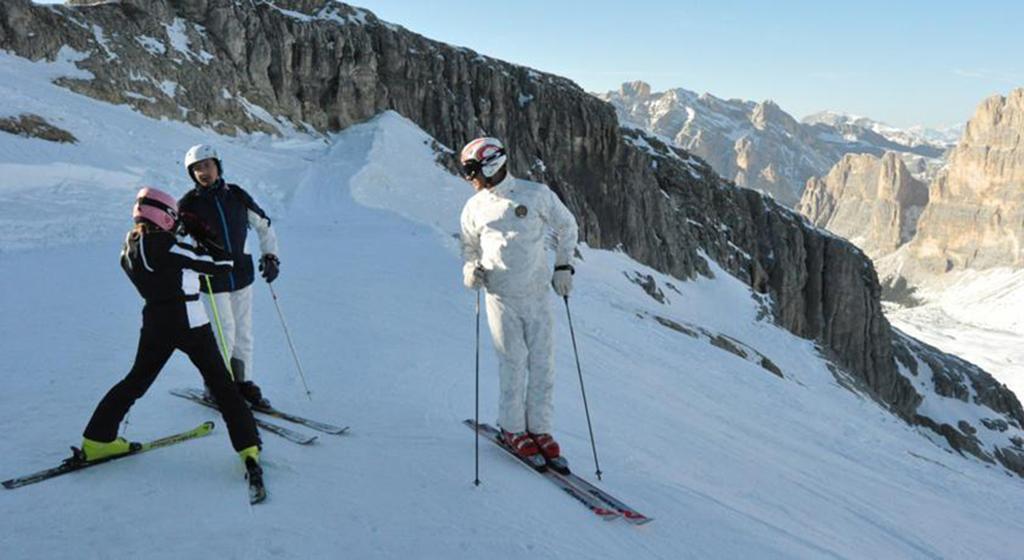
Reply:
x=504 y=231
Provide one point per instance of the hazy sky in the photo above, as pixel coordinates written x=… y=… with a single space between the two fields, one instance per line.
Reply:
x=899 y=61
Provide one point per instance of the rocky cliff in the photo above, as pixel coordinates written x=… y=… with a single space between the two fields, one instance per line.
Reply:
x=758 y=145
x=874 y=202
x=321 y=66
x=975 y=215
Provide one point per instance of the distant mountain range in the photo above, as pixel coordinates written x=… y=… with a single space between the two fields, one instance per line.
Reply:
x=760 y=146
x=913 y=136
x=968 y=217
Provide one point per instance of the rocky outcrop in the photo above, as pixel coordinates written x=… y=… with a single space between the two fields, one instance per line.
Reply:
x=975 y=215
x=321 y=66
x=874 y=202
x=34 y=126
x=941 y=375
x=758 y=145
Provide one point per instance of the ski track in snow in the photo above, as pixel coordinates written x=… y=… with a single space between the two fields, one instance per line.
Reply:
x=730 y=460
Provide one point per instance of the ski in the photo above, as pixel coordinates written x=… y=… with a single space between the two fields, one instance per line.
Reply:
x=311 y=424
x=73 y=463
x=294 y=418
x=628 y=513
x=287 y=433
x=587 y=499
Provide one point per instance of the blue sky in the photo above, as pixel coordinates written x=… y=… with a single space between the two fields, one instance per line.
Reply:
x=901 y=62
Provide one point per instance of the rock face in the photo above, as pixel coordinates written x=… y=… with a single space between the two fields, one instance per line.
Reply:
x=874 y=202
x=975 y=215
x=758 y=145
x=322 y=66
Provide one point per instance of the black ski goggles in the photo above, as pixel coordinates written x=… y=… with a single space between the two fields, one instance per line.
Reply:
x=472 y=167
x=146 y=201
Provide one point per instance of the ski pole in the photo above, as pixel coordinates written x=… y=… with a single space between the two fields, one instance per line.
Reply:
x=583 y=390
x=220 y=331
x=288 y=335
x=476 y=481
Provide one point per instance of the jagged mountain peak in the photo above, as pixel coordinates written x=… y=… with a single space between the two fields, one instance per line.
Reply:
x=767 y=112
x=758 y=144
x=997 y=115
x=637 y=88
x=975 y=217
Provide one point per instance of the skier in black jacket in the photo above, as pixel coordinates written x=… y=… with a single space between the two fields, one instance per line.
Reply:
x=219 y=214
x=165 y=271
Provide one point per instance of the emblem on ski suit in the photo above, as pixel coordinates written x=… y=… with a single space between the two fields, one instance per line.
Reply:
x=521 y=211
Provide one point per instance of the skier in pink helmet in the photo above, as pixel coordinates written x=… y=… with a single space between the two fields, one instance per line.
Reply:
x=165 y=271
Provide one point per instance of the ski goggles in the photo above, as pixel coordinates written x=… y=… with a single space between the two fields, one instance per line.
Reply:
x=473 y=167
x=159 y=205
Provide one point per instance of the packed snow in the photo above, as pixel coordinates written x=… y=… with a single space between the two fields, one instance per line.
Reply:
x=975 y=315
x=731 y=460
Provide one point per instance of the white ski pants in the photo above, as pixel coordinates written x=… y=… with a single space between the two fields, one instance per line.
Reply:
x=521 y=328
x=235 y=312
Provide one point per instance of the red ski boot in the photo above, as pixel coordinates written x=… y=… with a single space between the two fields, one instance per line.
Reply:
x=525 y=448
x=552 y=453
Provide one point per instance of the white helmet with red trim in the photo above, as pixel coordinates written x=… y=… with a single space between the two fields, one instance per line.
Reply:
x=484 y=155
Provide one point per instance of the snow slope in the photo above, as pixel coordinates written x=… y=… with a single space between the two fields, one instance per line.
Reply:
x=975 y=315
x=732 y=460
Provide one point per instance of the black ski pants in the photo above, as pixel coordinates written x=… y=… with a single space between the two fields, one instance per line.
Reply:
x=165 y=328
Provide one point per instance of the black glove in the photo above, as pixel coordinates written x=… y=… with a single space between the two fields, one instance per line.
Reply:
x=269 y=267
x=199 y=230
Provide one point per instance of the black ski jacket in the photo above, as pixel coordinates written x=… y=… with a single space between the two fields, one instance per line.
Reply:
x=228 y=211
x=165 y=270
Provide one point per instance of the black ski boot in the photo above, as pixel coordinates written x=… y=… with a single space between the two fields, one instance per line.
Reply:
x=249 y=390
x=252 y=395
x=254 y=474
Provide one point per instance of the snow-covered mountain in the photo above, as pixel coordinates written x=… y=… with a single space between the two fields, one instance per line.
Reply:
x=943 y=138
x=755 y=391
x=693 y=424
x=971 y=218
x=952 y=253
x=759 y=145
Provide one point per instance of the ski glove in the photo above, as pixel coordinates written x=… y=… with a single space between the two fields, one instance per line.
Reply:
x=197 y=228
x=269 y=267
x=561 y=281
x=474 y=276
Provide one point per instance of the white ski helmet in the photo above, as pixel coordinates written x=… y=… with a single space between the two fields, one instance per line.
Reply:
x=199 y=153
x=484 y=155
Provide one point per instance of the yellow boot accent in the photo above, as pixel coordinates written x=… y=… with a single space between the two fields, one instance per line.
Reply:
x=95 y=450
x=250 y=452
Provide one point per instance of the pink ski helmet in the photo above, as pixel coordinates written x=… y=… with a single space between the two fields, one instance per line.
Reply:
x=157 y=207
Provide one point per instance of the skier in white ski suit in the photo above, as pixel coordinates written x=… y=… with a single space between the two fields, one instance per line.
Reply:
x=504 y=228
